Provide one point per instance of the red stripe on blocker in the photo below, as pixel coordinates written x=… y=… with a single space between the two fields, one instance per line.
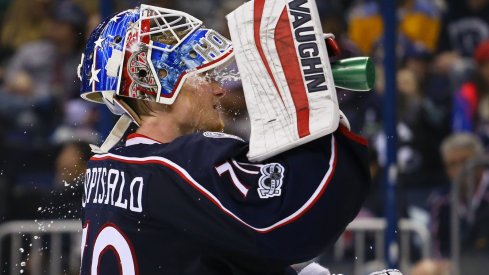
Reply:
x=284 y=41
x=257 y=16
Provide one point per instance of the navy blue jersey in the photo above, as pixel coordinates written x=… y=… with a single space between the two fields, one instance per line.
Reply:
x=197 y=206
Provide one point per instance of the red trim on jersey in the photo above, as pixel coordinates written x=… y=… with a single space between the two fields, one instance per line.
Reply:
x=128 y=241
x=257 y=15
x=136 y=135
x=352 y=136
x=159 y=162
x=328 y=180
x=288 y=58
x=182 y=173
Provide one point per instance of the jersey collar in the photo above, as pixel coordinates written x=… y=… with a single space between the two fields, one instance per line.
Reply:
x=133 y=139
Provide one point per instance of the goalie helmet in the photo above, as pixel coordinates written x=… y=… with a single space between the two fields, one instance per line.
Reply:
x=147 y=53
x=104 y=46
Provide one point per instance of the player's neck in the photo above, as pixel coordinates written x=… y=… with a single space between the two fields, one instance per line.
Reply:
x=163 y=129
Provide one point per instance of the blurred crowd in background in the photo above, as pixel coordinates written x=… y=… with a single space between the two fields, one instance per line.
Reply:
x=442 y=105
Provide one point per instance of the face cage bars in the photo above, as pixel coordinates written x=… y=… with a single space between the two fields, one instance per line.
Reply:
x=165 y=20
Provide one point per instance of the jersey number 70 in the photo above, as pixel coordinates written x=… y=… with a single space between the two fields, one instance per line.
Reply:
x=110 y=237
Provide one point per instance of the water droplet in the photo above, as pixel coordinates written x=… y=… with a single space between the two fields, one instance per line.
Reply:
x=22 y=264
x=21 y=250
x=36 y=237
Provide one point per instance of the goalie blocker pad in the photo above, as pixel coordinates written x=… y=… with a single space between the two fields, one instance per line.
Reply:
x=286 y=74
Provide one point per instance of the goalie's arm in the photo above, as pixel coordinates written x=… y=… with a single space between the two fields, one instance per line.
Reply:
x=306 y=195
x=319 y=191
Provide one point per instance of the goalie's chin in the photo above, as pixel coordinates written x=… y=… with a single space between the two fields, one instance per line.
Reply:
x=215 y=125
x=218 y=127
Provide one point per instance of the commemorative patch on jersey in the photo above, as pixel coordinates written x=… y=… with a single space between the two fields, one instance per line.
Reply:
x=220 y=135
x=271 y=179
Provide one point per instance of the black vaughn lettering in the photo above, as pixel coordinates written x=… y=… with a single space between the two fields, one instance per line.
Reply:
x=311 y=63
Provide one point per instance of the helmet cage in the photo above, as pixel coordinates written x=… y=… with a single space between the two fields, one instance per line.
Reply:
x=156 y=21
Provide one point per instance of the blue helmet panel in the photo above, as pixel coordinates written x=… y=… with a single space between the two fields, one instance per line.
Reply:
x=103 y=55
x=202 y=47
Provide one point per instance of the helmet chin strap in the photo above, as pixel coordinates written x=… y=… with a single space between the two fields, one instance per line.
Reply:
x=118 y=107
x=115 y=135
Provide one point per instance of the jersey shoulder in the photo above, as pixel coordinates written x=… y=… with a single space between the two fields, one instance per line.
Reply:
x=204 y=146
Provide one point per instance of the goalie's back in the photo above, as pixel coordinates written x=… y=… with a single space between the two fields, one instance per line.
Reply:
x=197 y=206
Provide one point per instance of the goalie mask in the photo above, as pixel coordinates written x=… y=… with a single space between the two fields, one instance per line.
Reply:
x=147 y=53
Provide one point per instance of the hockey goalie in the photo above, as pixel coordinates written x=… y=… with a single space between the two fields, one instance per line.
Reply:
x=179 y=196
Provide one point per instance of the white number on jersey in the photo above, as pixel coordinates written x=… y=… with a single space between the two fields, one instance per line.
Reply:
x=111 y=238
